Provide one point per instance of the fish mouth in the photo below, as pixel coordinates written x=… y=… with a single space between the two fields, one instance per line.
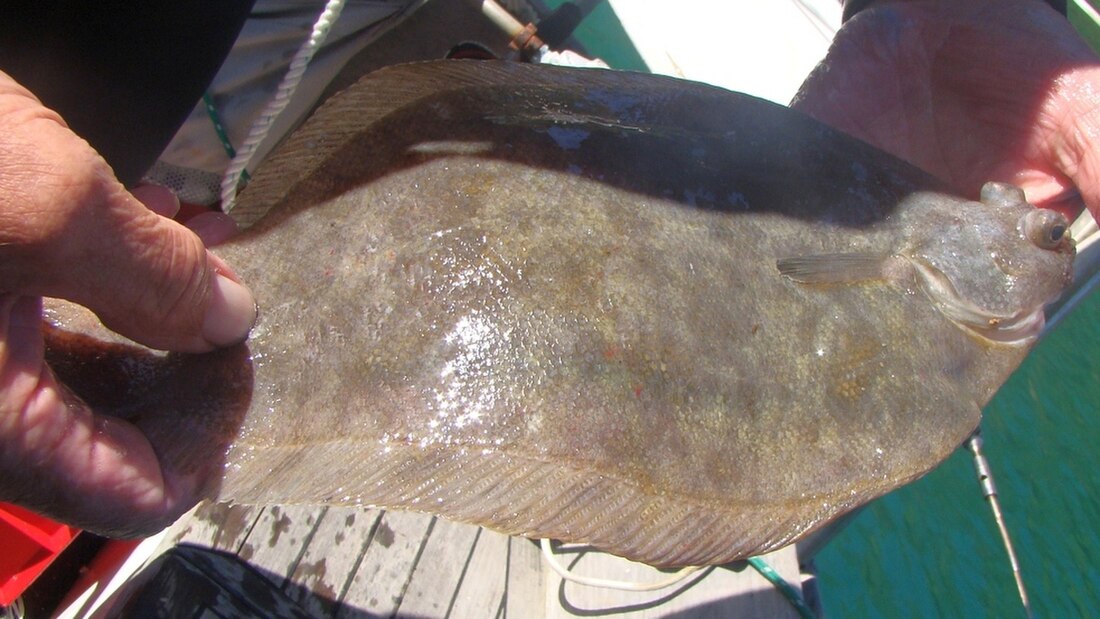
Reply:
x=1020 y=328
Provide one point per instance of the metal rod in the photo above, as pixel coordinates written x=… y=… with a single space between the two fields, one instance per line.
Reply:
x=989 y=490
x=524 y=39
x=501 y=17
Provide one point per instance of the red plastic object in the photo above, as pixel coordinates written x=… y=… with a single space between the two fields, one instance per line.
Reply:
x=29 y=544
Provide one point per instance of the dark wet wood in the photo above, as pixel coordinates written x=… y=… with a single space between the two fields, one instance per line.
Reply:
x=357 y=562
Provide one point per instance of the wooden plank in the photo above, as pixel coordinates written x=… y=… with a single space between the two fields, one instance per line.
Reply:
x=483 y=584
x=195 y=527
x=525 y=592
x=328 y=564
x=437 y=577
x=235 y=523
x=353 y=562
x=387 y=565
x=276 y=542
x=223 y=526
x=184 y=527
x=193 y=581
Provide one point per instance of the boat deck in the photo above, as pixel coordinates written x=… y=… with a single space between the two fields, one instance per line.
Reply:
x=358 y=562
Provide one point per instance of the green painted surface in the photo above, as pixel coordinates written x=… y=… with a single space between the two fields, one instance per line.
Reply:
x=603 y=37
x=1089 y=29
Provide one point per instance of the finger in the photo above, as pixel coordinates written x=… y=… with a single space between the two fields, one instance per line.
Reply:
x=212 y=227
x=151 y=280
x=68 y=229
x=1074 y=146
x=160 y=200
x=1047 y=189
x=59 y=458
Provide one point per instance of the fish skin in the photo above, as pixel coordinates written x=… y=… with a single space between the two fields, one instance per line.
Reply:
x=550 y=302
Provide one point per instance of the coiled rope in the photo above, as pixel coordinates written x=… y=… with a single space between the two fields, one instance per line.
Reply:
x=785 y=588
x=262 y=125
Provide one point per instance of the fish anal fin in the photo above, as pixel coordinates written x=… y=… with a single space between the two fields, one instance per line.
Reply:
x=839 y=268
x=521 y=495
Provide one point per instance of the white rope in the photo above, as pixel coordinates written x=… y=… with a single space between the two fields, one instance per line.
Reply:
x=262 y=125
x=603 y=583
x=1087 y=9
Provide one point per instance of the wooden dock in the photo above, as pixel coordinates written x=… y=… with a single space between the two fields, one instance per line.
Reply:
x=355 y=562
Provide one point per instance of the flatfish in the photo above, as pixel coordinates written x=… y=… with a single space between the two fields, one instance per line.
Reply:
x=681 y=324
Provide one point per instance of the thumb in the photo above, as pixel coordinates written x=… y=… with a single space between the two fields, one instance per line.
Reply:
x=69 y=229
x=1074 y=146
x=61 y=459
x=151 y=279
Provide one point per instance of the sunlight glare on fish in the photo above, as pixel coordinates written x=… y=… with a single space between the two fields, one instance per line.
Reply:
x=451 y=147
x=474 y=336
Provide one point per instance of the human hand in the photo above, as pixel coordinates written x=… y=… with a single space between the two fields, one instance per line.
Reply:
x=69 y=229
x=969 y=91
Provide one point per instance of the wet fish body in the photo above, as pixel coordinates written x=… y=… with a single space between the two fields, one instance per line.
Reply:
x=681 y=324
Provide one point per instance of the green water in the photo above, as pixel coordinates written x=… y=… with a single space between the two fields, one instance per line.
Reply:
x=603 y=37
x=932 y=549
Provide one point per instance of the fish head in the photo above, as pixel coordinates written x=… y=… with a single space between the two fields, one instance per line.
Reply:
x=992 y=265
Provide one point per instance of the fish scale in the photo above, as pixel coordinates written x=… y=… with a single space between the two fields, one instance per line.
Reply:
x=595 y=306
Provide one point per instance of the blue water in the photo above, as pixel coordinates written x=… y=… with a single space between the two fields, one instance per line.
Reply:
x=932 y=549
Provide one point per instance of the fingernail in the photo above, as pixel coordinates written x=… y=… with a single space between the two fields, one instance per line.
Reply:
x=213 y=228
x=220 y=267
x=231 y=314
x=157 y=198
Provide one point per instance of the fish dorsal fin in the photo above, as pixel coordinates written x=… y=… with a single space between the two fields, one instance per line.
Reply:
x=383 y=92
x=842 y=268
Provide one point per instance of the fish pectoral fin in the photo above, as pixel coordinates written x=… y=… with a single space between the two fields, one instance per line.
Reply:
x=834 y=268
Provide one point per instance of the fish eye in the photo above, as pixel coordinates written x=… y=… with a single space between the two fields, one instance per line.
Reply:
x=1045 y=228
